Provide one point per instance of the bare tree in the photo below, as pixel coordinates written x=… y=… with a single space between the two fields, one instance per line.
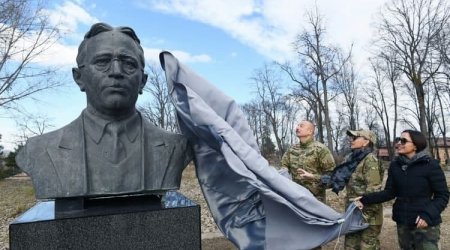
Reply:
x=295 y=109
x=381 y=95
x=409 y=110
x=435 y=117
x=278 y=112
x=25 y=34
x=392 y=74
x=441 y=85
x=1 y=150
x=371 y=122
x=339 y=129
x=260 y=124
x=410 y=29
x=347 y=85
x=159 y=110
x=441 y=116
x=307 y=90
x=320 y=60
x=255 y=119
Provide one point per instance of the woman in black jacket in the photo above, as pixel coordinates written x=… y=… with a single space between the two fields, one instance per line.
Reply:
x=419 y=184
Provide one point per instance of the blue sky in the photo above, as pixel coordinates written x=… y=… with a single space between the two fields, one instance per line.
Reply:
x=222 y=40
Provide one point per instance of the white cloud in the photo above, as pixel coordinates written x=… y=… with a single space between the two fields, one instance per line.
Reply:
x=58 y=55
x=46 y=49
x=270 y=26
x=152 y=55
x=267 y=26
x=69 y=16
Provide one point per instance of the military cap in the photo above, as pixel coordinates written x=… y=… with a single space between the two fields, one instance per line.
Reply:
x=369 y=135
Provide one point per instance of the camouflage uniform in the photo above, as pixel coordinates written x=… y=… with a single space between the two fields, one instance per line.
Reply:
x=419 y=238
x=367 y=178
x=313 y=157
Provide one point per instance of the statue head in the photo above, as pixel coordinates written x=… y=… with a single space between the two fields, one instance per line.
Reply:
x=110 y=70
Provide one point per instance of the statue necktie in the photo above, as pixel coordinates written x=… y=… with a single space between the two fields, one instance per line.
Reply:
x=114 y=149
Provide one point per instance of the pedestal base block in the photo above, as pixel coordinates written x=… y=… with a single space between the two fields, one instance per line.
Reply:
x=173 y=223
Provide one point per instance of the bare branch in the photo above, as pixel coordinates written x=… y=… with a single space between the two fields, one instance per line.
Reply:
x=25 y=35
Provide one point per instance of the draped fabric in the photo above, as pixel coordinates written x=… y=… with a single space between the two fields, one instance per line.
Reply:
x=253 y=205
x=342 y=173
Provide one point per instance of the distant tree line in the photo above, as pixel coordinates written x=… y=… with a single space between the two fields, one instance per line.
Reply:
x=407 y=87
x=8 y=165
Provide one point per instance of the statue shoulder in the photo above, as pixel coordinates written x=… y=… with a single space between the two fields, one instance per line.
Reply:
x=39 y=143
x=52 y=136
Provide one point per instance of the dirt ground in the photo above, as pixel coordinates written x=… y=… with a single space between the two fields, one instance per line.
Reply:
x=388 y=237
x=17 y=196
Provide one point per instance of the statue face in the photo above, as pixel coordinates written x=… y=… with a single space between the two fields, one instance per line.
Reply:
x=112 y=75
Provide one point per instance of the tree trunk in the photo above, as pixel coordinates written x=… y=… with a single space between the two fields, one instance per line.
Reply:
x=327 y=116
x=422 y=108
x=319 y=123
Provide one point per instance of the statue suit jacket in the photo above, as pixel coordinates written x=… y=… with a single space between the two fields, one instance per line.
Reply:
x=55 y=161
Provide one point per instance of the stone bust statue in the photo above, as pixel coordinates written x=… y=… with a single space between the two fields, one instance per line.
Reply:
x=109 y=149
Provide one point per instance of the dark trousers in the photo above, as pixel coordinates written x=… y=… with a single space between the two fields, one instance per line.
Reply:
x=412 y=238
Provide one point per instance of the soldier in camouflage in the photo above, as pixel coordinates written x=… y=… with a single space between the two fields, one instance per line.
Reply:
x=311 y=156
x=367 y=177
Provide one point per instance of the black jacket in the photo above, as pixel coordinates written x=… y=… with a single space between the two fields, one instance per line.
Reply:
x=420 y=188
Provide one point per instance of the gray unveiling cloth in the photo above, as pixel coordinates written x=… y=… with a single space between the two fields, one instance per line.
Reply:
x=253 y=205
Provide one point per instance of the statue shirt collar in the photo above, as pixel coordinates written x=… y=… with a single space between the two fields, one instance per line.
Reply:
x=95 y=126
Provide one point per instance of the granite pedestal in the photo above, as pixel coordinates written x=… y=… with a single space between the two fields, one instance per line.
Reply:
x=172 y=222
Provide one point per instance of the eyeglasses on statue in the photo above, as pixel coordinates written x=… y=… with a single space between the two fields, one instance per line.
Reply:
x=401 y=140
x=103 y=63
